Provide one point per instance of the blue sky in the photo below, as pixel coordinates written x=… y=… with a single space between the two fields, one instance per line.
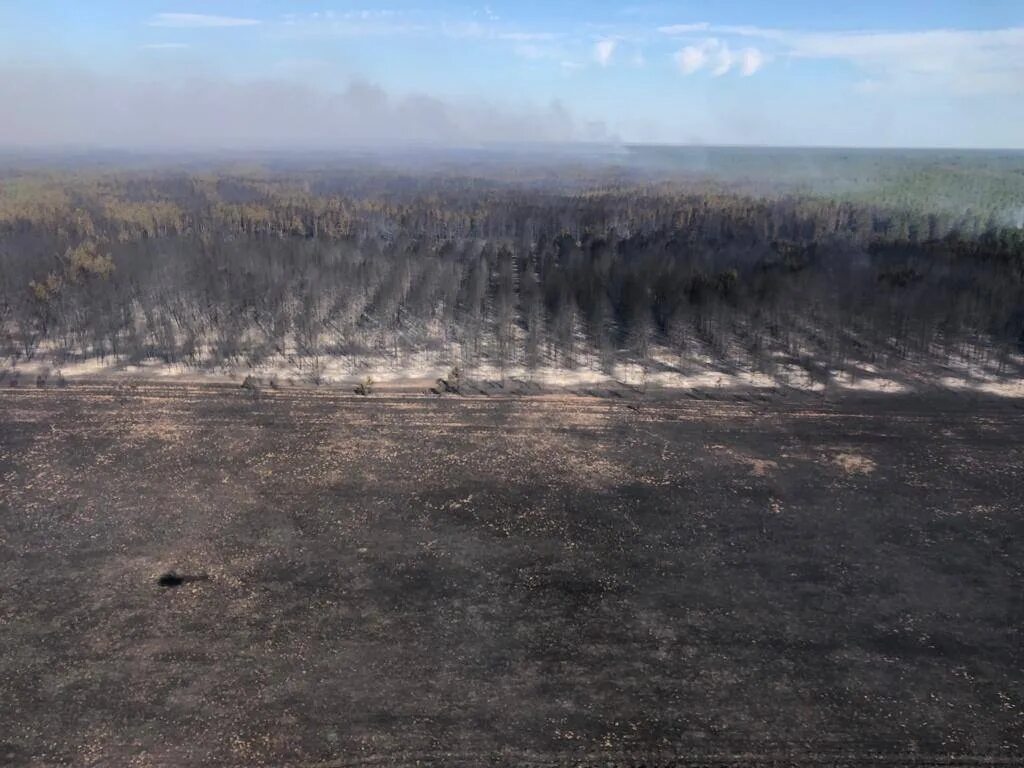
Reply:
x=805 y=73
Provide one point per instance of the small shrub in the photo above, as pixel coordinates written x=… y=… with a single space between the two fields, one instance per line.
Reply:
x=365 y=387
x=252 y=386
x=451 y=385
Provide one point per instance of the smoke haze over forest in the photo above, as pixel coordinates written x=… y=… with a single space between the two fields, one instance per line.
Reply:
x=304 y=76
x=62 y=108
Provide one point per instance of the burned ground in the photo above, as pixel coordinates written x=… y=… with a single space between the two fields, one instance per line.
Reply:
x=474 y=580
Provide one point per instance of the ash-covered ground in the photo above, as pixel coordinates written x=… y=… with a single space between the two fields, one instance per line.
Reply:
x=465 y=581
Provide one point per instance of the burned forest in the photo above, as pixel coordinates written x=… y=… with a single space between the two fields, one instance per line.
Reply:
x=206 y=270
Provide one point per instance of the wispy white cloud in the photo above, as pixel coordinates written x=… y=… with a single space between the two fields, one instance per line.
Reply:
x=718 y=58
x=964 y=61
x=750 y=61
x=200 y=20
x=476 y=30
x=722 y=59
x=684 y=29
x=748 y=30
x=479 y=27
x=526 y=37
x=329 y=17
x=604 y=50
x=524 y=44
x=356 y=23
x=363 y=14
x=955 y=60
x=692 y=58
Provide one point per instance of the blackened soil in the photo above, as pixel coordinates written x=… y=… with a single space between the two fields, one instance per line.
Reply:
x=472 y=581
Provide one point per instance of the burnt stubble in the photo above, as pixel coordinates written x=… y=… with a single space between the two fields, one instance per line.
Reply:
x=475 y=580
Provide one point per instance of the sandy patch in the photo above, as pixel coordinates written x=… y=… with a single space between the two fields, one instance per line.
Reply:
x=756 y=467
x=420 y=370
x=868 y=383
x=1000 y=388
x=854 y=463
x=761 y=467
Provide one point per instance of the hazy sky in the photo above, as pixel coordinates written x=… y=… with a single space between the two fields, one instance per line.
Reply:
x=273 y=73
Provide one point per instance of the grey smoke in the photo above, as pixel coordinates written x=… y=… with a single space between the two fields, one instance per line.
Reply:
x=47 y=107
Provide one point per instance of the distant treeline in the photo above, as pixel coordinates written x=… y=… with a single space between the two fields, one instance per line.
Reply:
x=220 y=269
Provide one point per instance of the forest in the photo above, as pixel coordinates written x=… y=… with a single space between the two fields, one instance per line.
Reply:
x=477 y=266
